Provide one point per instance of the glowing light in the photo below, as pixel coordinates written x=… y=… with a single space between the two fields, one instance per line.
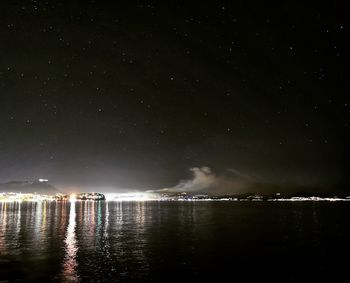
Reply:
x=18 y=197
x=72 y=198
x=138 y=196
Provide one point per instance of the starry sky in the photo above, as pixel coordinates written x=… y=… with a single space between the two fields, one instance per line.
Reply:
x=139 y=95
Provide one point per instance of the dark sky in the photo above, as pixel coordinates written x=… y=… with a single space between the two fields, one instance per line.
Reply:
x=123 y=94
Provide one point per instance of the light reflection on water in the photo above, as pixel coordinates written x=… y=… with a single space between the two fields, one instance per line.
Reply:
x=3 y=228
x=167 y=241
x=70 y=260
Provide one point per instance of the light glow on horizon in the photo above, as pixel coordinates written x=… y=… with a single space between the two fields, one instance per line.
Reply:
x=72 y=198
x=133 y=196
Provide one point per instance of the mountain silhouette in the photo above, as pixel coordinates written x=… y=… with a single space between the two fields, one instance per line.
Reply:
x=40 y=187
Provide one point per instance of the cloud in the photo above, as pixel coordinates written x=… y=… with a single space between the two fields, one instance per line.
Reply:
x=205 y=180
x=202 y=178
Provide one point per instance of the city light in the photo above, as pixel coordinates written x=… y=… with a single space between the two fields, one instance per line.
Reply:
x=134 y=196
x=151 y=196
x=72 y=198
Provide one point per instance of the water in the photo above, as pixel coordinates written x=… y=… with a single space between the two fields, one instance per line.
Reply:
x=173 y=241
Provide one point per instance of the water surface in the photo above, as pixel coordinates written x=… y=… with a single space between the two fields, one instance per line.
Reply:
x=172 y=241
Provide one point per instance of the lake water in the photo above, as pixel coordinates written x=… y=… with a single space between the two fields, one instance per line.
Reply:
x=173 y=241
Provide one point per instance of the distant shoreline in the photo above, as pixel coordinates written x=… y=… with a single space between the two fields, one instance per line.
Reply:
x=35 y=197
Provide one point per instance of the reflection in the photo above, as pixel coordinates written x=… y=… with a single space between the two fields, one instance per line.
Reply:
x=43 y=223
x=38 y=220
x=3 y=225
x=18 y=218
x=105 y=244
x=106 y=221
x=140 y=239
x=98 y=232
x=70 y=260
x=119 y=213
x=89 y=223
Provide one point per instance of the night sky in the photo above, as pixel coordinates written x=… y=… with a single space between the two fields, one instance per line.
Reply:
x=132 y=95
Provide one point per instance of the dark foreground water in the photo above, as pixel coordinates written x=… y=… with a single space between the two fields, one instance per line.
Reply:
x=174 y=241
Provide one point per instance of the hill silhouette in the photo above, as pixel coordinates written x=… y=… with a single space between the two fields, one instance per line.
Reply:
x=28 y=187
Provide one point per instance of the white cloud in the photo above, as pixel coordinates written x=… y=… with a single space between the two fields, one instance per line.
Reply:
x=202 y=179
x=205 y=180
